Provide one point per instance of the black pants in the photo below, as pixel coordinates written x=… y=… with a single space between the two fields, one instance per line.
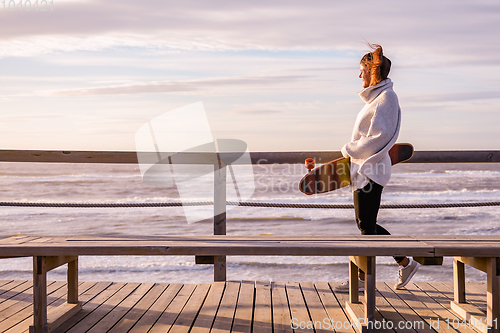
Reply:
x=366 y=206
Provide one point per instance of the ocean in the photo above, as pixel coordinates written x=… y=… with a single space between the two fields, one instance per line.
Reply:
x=107 y=183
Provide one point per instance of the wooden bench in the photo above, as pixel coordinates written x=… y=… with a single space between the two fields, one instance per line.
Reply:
x=50 y=252
x=480 y=252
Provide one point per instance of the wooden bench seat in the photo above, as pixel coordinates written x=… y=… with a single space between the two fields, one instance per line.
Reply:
x=52 y=252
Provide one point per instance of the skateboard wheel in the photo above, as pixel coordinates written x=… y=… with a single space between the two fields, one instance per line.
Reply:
x=310 y=163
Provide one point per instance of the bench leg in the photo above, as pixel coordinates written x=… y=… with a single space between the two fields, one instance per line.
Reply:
x=493 y=294
x=220 y=269
x=362 y=316
x=73 y=281
x=42 y=321
x=353 y=283
x=469 y=312
x=370 y=290
x=458 y=281
x=39 y=297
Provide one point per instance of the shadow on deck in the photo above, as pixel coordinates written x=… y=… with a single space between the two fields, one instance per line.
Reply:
x=246 y=306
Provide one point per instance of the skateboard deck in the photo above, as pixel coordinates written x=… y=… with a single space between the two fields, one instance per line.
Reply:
x=335 y=174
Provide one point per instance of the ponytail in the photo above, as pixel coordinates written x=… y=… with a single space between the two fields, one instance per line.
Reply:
x=378 y=64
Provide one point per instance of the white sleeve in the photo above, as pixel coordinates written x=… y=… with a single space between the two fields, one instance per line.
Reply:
x=383 y=126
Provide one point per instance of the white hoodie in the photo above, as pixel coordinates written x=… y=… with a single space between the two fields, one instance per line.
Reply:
x=375 y=132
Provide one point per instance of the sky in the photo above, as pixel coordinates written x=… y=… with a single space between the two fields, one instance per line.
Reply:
x=279 y=75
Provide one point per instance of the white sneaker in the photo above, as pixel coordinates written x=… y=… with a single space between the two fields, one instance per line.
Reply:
x=406 y=273
x=344 y=286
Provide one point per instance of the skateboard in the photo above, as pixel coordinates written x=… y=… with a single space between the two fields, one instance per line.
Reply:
x=335 y=174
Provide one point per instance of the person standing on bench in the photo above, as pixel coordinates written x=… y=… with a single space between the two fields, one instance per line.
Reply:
x=375 y=132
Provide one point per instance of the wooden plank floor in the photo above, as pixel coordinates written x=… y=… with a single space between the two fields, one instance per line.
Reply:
x=246 y=306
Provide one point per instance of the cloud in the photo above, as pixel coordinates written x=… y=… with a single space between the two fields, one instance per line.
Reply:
x=29 y=117
x=191 y=86
x=278 y=107
x=451 y=97
x=447 y=30
x=259 y=112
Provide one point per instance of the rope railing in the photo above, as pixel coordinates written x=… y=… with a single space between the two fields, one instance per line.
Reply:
x=243 y=204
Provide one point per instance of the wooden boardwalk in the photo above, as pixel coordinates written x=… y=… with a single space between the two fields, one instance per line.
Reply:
x=246 y=306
